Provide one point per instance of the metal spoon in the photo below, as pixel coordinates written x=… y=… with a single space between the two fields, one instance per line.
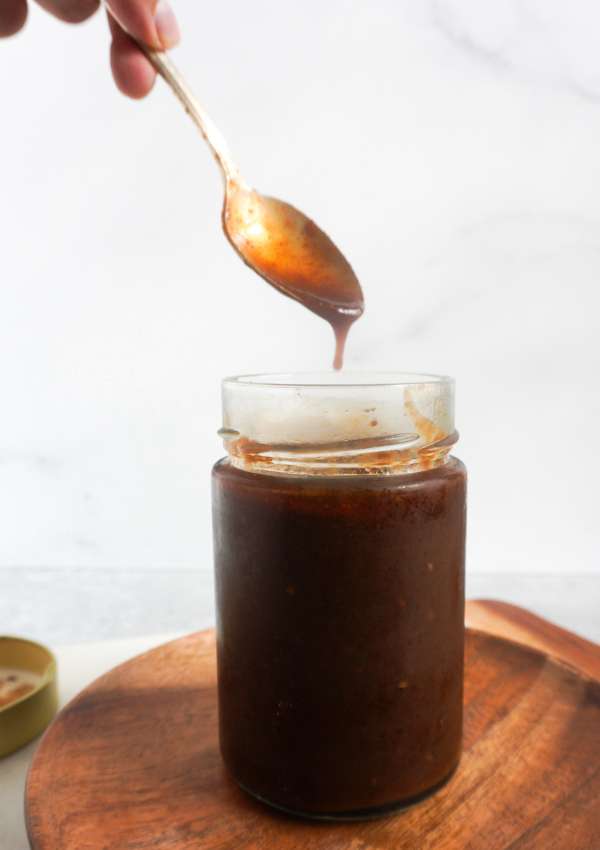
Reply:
x=275 y=239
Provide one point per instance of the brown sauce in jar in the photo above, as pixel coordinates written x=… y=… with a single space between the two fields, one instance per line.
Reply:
x=296 y=257
x=340 y=634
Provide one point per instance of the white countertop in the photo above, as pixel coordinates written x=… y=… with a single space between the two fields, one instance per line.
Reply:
x=59 y=606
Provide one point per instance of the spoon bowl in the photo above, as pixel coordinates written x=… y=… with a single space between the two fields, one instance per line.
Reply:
x=291 y=253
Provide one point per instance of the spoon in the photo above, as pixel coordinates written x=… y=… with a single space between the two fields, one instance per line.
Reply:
x=273 y=238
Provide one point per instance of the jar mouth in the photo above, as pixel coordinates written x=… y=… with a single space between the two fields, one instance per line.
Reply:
x=346 y=422
x=328 y=380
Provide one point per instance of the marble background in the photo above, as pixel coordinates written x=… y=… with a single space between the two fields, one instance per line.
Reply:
x=450 y=147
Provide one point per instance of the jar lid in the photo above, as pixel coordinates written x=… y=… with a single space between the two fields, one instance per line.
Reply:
x=28 y=691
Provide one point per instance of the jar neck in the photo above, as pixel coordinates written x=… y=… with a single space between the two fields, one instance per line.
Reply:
x=392 y=455
x=349 y=424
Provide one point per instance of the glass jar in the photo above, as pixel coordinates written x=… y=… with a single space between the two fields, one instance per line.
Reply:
x=339 y=530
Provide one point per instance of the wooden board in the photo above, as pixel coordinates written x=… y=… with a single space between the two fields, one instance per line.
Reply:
x=133 y=762
x=514 y=623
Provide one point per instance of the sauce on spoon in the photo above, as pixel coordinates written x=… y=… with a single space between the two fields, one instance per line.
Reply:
x=294 y=255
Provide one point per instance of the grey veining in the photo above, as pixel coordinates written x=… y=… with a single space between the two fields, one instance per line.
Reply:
x=537 y=40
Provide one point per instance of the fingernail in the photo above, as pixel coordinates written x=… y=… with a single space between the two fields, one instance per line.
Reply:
x=166 y=25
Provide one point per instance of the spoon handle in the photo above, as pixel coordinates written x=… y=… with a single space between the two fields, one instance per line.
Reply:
x=210 y=132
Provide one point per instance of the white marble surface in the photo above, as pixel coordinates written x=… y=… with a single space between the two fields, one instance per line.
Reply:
x=62 y=606
x=449 y=146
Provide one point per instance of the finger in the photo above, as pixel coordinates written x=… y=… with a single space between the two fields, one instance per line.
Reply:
x=148 y=21
x=13 y=14
x=71 y=11
x=133 y=73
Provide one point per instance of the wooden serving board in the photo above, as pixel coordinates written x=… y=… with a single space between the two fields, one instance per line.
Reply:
x=133 y=762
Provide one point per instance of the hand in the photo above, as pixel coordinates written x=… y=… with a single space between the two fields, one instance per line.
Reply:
x=150 y=21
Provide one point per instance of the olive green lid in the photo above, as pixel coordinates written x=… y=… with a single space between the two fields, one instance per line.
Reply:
x=25 y=718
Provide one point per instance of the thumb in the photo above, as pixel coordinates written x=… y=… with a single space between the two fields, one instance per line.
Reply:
x=151 y=22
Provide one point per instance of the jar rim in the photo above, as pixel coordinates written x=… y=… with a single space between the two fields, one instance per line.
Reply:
x=328 y=380
x=373 y=421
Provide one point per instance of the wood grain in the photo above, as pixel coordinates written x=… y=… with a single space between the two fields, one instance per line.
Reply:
x=510 y=621
x=133 y=763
